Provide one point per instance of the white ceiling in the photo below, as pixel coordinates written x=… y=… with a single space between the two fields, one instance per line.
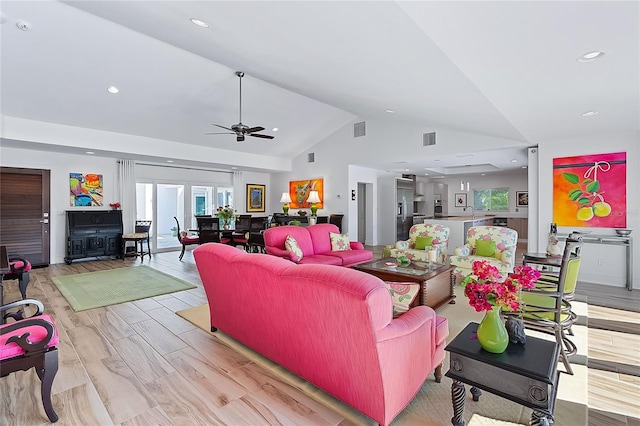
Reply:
x=503 y=69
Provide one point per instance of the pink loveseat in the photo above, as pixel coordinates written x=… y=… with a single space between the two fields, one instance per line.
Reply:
x=331 y=326
x=315 y=244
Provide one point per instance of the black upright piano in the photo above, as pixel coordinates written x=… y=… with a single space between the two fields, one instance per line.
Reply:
x=93 y=233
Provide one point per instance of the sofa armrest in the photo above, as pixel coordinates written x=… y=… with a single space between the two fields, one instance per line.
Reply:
x=464 y=250
x=356 y=245
x=274 y=251
x=407 y=323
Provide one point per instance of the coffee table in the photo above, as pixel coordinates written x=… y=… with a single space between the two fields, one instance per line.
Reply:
x=435 y=285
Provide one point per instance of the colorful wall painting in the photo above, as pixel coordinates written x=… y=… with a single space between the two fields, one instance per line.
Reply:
x=590 y=190
x=85 y=189
x=299 y=192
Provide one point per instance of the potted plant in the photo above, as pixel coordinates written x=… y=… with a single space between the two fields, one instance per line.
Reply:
x=227 y=214
x=174 y=232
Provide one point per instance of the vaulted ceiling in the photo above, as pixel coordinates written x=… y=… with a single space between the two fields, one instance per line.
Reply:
x=509 y=70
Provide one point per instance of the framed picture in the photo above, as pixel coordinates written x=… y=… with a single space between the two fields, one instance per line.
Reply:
x=461 y=199
x=255 y=198
x=299 y=192
x=522 y=198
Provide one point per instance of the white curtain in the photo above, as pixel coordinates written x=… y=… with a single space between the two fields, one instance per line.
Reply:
x=238 y=191
x=127 y=183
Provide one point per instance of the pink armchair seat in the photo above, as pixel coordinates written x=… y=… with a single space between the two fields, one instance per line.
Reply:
x=331 y=326
x=315 y=244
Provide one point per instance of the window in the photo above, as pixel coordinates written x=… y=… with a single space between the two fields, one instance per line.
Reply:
x=496 y=199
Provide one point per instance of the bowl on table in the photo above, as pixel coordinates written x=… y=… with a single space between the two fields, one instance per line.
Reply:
x=623 y=232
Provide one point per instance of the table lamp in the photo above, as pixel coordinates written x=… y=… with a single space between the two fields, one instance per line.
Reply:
x=313 y=199
x=286 y=199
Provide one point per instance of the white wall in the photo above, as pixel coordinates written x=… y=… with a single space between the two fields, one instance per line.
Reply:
x=61 y=165
x=384 y=139
x=612 y=270
x=369 y=176
x=515 y=181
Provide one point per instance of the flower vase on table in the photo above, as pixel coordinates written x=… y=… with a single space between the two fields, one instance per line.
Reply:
x=492 y=334
x=488 y=291
x=226 y=224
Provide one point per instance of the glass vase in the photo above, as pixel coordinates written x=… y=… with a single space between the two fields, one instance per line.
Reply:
x=492 y=334
x=226 y=224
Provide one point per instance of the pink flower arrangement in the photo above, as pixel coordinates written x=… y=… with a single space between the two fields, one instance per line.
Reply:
x=485 y=287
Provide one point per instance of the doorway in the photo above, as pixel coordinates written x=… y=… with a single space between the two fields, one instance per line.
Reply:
x=365 y=201
x=24 y=213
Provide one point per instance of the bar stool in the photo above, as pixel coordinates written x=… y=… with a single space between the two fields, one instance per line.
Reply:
x=140 y=235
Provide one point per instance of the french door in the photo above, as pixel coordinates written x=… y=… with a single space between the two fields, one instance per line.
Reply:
x=161 y=202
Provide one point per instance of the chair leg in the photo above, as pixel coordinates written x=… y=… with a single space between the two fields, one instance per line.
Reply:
x=182 y=252
x=46 y=373
x=23 y=281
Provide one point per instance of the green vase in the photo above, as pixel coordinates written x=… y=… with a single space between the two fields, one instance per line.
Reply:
x=492 y=334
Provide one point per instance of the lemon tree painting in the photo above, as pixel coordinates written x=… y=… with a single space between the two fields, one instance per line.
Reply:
x=590 y=190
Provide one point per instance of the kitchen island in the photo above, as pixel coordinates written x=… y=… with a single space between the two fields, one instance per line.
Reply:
x=458 y=227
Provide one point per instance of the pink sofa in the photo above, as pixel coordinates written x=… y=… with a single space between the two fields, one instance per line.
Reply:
x=315 y=244
x=331 y=326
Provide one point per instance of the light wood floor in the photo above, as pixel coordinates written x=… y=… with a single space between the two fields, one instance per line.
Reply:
x=138 y=363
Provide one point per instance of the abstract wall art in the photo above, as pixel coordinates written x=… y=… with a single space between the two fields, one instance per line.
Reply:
x=590 y=190
x=299 y=192
x=85 y=189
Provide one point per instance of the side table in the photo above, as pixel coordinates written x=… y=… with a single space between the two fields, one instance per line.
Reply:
x=526 y=374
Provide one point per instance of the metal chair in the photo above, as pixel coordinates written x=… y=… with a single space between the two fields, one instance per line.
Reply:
x=139 y=236
x=547 y=308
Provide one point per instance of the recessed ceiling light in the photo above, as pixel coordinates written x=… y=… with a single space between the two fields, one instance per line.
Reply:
x=234 y=168
x=113 y=90
x=24 y=26
x=426 y=174
x=275 y=129
x=591 y=56
x=199 y=23
x=390 y=111
x=90 y=152
x=514 y=161
x=524 y=167
x=169 y=161
x=483 y=174
x=589 y=113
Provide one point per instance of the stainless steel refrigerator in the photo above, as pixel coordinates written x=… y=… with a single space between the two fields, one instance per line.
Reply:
x=404 y=209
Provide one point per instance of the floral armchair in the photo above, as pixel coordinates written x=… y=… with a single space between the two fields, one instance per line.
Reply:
x=495 y=244
x=440 y=241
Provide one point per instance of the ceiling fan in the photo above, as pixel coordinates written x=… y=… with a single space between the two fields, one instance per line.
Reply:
x=241 y=130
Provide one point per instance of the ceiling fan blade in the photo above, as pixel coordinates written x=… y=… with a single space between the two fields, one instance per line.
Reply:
x=257 y=135
x=240 y=138
x=220 y=133
x=254 y=129
x=222 y=127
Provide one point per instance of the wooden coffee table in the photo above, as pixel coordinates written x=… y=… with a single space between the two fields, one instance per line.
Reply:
x=435 y=284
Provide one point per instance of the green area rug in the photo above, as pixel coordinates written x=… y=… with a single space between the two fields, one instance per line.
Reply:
x=104 y=288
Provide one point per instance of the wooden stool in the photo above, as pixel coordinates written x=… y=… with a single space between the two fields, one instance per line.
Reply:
x=140 y=235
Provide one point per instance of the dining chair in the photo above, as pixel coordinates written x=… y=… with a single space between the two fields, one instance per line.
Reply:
x=209 y=231
x=139 y=236
x=240 y=235
x=256 y=234
x=547 y=308
x=185 y=239
x=30 y=341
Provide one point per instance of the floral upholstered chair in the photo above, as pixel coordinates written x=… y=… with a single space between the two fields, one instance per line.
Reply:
x=495 y=244
x=421 y=236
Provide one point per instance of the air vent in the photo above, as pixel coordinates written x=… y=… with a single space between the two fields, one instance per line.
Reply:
x=311 y=157
x=429 y=139
x=359 y=129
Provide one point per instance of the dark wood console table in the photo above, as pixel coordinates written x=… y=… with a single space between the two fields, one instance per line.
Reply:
x=526 y=374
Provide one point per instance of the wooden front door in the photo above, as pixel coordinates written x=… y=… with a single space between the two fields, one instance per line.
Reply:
x=24 y=213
